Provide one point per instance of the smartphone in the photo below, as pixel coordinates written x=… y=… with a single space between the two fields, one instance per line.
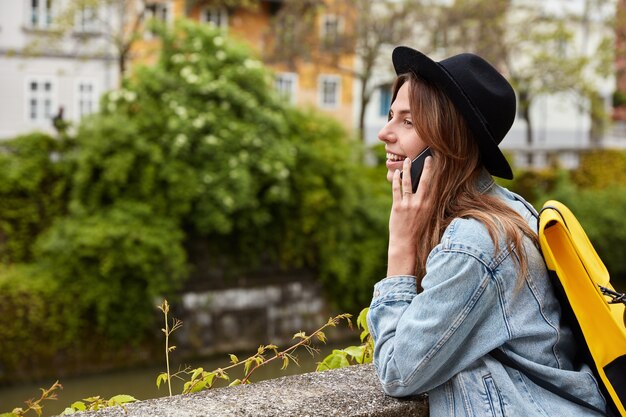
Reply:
x=417 y=166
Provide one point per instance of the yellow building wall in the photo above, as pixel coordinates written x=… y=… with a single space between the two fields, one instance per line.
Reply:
x=252 y=27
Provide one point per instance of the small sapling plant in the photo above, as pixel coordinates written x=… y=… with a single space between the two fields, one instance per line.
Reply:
x=351 y=355
x=35 y=405
x=199 y=379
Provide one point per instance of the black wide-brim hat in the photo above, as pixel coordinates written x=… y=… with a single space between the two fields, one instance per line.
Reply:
x=478 y=91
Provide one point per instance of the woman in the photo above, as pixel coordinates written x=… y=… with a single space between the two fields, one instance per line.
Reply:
x=465 y=275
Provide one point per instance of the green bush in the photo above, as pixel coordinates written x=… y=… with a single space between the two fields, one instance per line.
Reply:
x=600 y=169
x=337 y=221
x=33 y=187
x=38 y=318
x=198 y=148
x=116 y=262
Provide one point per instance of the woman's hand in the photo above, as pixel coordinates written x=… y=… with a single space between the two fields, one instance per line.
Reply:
x=405 y=222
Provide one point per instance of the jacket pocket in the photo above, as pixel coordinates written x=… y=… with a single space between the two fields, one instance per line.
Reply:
x=493 y=397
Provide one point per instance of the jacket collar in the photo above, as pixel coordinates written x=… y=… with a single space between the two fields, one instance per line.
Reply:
x=485 y=181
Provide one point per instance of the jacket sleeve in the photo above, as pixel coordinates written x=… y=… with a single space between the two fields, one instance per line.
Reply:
x=422 y=340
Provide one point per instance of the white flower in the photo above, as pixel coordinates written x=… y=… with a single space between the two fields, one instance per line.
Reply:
x=220 y=55
x=197 y=44
x=251 y=63
x=181 y=112
x=129 y=96
x=198 y=123
x=228 y=201
x=210 y=140
x=180 y=140
x=218 y=41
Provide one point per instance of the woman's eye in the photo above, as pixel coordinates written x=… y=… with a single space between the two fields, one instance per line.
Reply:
x=408 y=122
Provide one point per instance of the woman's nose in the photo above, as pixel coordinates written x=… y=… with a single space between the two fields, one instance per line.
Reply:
x=386 y=134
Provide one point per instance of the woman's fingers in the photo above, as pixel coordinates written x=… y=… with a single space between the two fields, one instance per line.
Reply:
x=396 y=188
x=406 y=177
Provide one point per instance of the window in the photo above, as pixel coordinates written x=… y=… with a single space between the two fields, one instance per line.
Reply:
x=217 y=16
x=331 y=29
x=40 y=101
x=286 y=84
x=86 y=98
x=329 y=90
x=385 y=100
x=158 y=11
x=41 y=13
x=86 y=20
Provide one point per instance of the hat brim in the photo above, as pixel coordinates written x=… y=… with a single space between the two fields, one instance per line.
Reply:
x=407 y=60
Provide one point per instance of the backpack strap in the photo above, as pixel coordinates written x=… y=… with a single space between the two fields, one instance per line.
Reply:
x=504 y=359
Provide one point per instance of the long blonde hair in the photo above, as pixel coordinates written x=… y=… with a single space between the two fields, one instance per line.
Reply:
x=457 y=166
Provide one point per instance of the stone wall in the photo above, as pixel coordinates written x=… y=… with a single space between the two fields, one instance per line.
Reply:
x=348 y=392
x=239 y=319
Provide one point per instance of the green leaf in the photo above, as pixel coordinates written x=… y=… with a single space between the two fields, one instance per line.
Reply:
x=79 y=406
x=8 y=415
x=233 y=359
x=235 y=383
x=356 y=352
x=122 y=399
x=208 y=378
x=198 y=386
x=196 y=372
x=337 y=359
x=285 y=363
x=299 y=335
x=361 y=323
x=247 y=365
x=67 y=411
x=160 y=379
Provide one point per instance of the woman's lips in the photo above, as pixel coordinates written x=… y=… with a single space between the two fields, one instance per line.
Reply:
x=394 y=161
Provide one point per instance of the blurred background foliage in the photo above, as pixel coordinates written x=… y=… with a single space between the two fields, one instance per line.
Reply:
x=97 y=224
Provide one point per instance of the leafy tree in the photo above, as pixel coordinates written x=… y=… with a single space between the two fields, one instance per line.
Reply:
x=33 y=191
x=536 y=49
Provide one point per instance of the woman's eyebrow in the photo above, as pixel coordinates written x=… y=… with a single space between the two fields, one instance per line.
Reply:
x=400 y=112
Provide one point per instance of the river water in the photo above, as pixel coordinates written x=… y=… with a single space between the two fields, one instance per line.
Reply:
x=141 y=382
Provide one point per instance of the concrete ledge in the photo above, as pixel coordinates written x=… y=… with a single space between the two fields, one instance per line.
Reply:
x=348 y=392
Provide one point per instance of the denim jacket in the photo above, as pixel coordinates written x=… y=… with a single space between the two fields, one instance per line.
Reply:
x=437 y=341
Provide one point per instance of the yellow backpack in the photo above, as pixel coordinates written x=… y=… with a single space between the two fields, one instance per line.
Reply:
x=596 y=310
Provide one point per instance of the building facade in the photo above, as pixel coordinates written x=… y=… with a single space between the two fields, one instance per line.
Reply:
x=44 y=75
x=51 y=68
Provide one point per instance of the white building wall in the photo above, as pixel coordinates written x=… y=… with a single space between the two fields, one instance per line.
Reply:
x=79 y=57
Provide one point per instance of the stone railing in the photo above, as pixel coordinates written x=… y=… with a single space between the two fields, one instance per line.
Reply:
x=348 y=392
